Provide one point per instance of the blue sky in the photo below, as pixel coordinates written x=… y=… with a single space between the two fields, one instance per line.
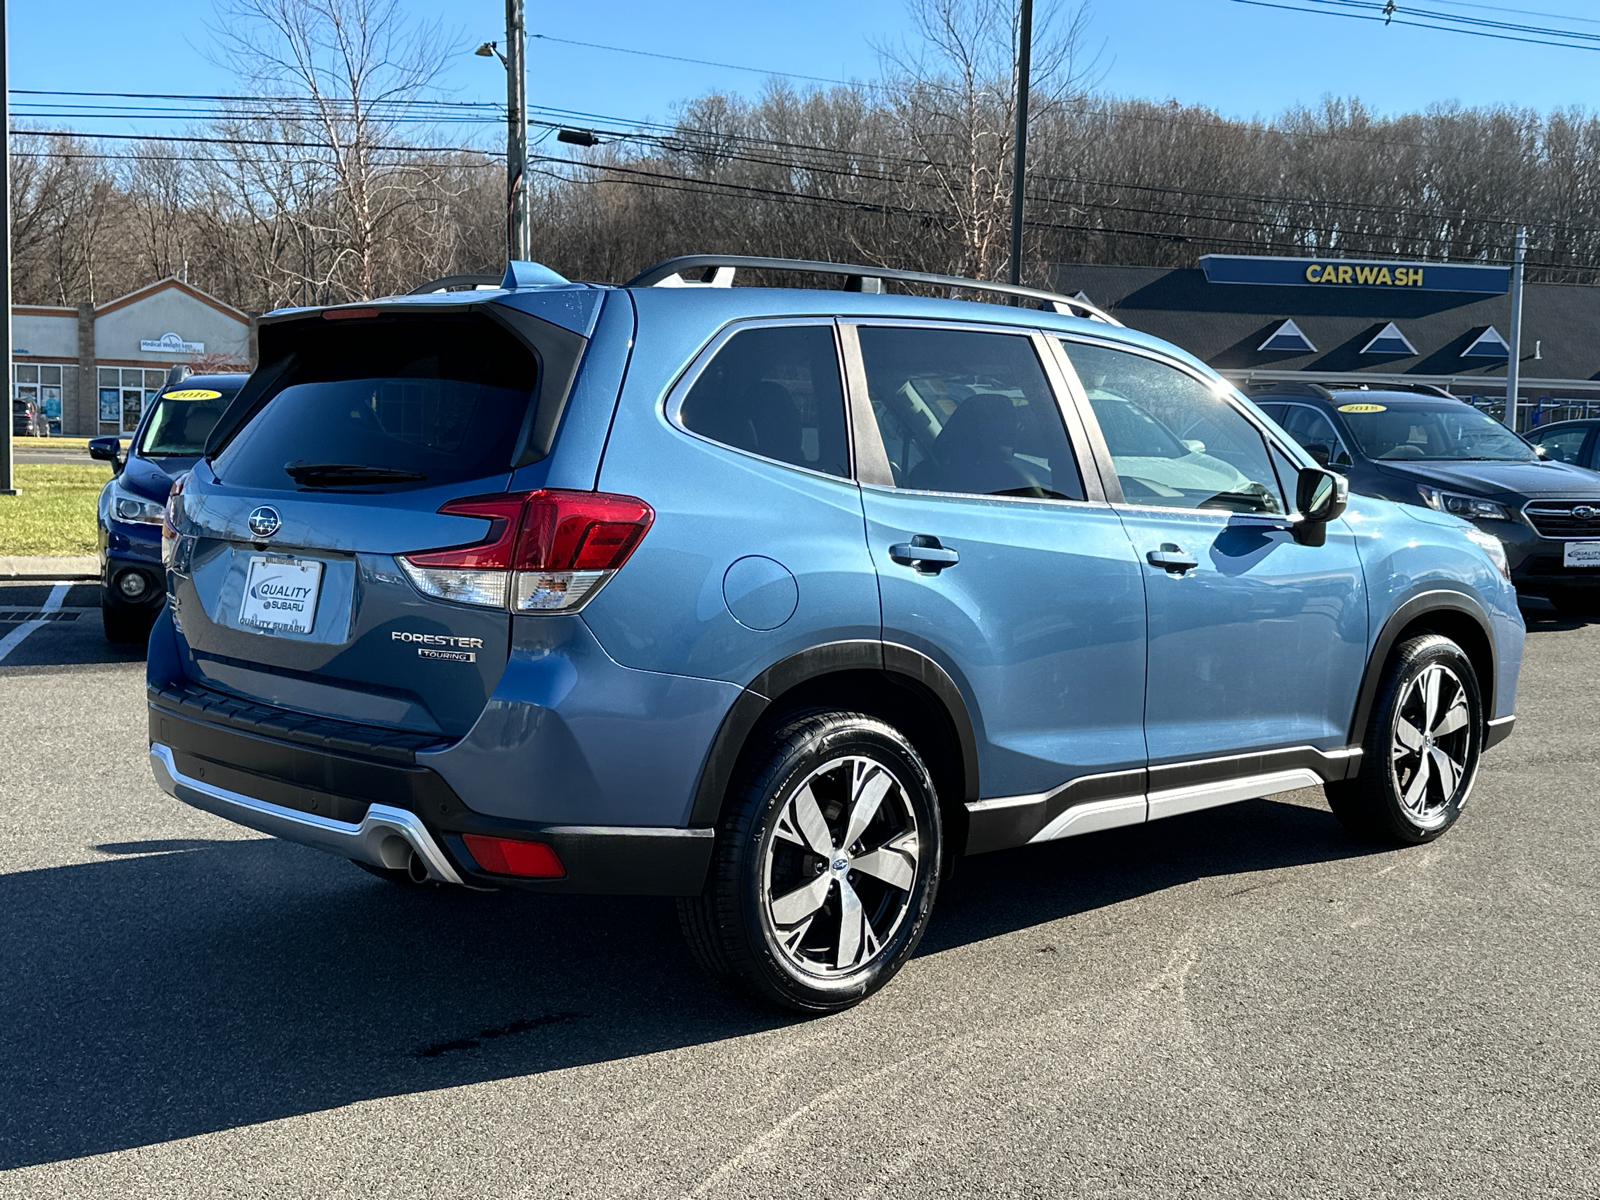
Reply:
x=1239 y=59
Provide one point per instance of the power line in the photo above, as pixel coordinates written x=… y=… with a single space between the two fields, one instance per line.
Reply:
x=1445 y=22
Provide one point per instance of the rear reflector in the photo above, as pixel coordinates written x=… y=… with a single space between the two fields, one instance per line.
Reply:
x=544 y=551
x=507 y=856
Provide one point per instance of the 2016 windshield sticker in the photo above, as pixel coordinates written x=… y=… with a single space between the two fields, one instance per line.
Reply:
x=193 y=394
x=1362 y=408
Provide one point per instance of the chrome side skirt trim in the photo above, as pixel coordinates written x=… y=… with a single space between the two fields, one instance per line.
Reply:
x=1093 y=816
x=655 y=831
x=1175 y=801
x=1116 y=798
x=386 y=836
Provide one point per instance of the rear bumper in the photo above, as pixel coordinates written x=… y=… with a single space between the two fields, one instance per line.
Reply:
x=361 y=807
x=385 y=836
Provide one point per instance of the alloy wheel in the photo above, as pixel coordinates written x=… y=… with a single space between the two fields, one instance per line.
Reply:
x=840 y=866
x=1431 y=745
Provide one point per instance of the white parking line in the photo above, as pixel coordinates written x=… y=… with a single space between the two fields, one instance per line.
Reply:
x=58 y=595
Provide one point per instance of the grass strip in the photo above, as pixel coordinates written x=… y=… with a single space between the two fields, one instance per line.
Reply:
x=54 y=512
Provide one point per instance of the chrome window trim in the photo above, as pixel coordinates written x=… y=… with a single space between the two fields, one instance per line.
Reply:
x=672 y=405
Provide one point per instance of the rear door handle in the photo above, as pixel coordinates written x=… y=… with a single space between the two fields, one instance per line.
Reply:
x=1172 y=557
x=924 y=553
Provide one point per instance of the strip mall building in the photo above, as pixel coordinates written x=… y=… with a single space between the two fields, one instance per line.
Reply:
x=1344 y=321
x=94 y=367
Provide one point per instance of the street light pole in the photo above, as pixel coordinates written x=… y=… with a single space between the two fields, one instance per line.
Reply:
x=519 y=245
x=1019 y=166
x=7 y=483
x=1514 y=362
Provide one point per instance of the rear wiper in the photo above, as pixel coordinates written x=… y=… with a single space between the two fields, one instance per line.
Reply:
x=345 y=474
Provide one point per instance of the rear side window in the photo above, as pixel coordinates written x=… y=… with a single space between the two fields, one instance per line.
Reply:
x=774 y=391
x=970 y=413
x=413 y=402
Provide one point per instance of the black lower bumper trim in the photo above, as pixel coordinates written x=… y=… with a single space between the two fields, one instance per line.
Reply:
x=1498 y=731
x=599 y=860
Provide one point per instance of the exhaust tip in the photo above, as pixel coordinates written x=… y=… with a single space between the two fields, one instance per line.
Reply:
x=416 y=869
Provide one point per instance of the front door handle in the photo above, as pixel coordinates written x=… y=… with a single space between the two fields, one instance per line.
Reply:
x=1172 y=557
x=924 y=553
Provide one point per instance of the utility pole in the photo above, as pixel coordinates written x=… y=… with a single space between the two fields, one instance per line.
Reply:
x=1514 y=362
x=1019 y=166
x=519 y=244
x=8 y=485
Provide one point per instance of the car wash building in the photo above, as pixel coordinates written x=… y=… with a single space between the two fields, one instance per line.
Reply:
x=1259 y=319
x=93 y=368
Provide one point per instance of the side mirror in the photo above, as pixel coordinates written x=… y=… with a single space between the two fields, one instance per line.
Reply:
x=1319 y=454
x=1539 y=449
x=1194 y=445
x=1320 y=496
x=107 y=449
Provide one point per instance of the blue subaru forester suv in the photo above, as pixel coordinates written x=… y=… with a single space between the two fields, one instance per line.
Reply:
x=779 y=599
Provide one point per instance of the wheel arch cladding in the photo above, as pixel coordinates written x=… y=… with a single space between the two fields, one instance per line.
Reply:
x=893 y=683
x=1450 y=614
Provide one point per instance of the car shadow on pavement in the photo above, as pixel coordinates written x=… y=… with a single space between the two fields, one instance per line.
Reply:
x=179 y=987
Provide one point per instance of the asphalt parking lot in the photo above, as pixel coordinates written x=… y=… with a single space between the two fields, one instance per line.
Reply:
x=1238 y=1003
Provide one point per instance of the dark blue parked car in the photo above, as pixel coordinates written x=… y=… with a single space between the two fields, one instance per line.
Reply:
x=778 y=600
x=169 y=437
x=1440 y=452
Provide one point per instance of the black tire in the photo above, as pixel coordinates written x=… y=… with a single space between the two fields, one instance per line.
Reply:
x=766 y=866
x=124 y=626
x=1387 y=802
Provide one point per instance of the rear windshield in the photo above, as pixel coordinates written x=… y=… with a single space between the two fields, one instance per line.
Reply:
x=182 y=420
x=386 y=405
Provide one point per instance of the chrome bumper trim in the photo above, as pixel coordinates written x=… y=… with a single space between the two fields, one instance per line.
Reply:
x=386 y=836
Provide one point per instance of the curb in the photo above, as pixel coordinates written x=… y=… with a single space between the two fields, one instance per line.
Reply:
x=49 y=566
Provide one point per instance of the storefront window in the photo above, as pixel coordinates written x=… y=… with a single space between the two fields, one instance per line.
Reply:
x=125 y=392
x=41 y=383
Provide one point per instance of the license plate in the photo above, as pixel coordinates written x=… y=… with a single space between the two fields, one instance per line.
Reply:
x=1580 y=554
x=281 y=593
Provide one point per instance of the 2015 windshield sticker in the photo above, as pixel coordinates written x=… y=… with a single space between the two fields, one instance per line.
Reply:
x=1362 y=408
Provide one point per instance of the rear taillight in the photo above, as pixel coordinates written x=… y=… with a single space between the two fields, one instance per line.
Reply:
x=508 y=856
x=545 y=551
x=169 y=527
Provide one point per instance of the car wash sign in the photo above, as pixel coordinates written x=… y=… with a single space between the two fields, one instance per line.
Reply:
x=1355 y=273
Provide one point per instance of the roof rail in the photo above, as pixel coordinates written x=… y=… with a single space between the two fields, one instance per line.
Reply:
x=1295 y=387
x=717 y=270
x=1290 y=387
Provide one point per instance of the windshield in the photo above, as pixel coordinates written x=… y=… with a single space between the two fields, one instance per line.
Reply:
x=1133 y=432
x=1410 y=431
x=182 y=420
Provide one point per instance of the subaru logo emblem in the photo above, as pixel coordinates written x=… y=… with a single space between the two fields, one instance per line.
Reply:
x=1584 y=512
x=264 y=521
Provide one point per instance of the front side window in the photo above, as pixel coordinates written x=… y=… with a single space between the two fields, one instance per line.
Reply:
x=1564 y=445
x=1441 y=429
x=1316 y=433
x=1174 y=441
x=774 y=391
x=966 y=412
